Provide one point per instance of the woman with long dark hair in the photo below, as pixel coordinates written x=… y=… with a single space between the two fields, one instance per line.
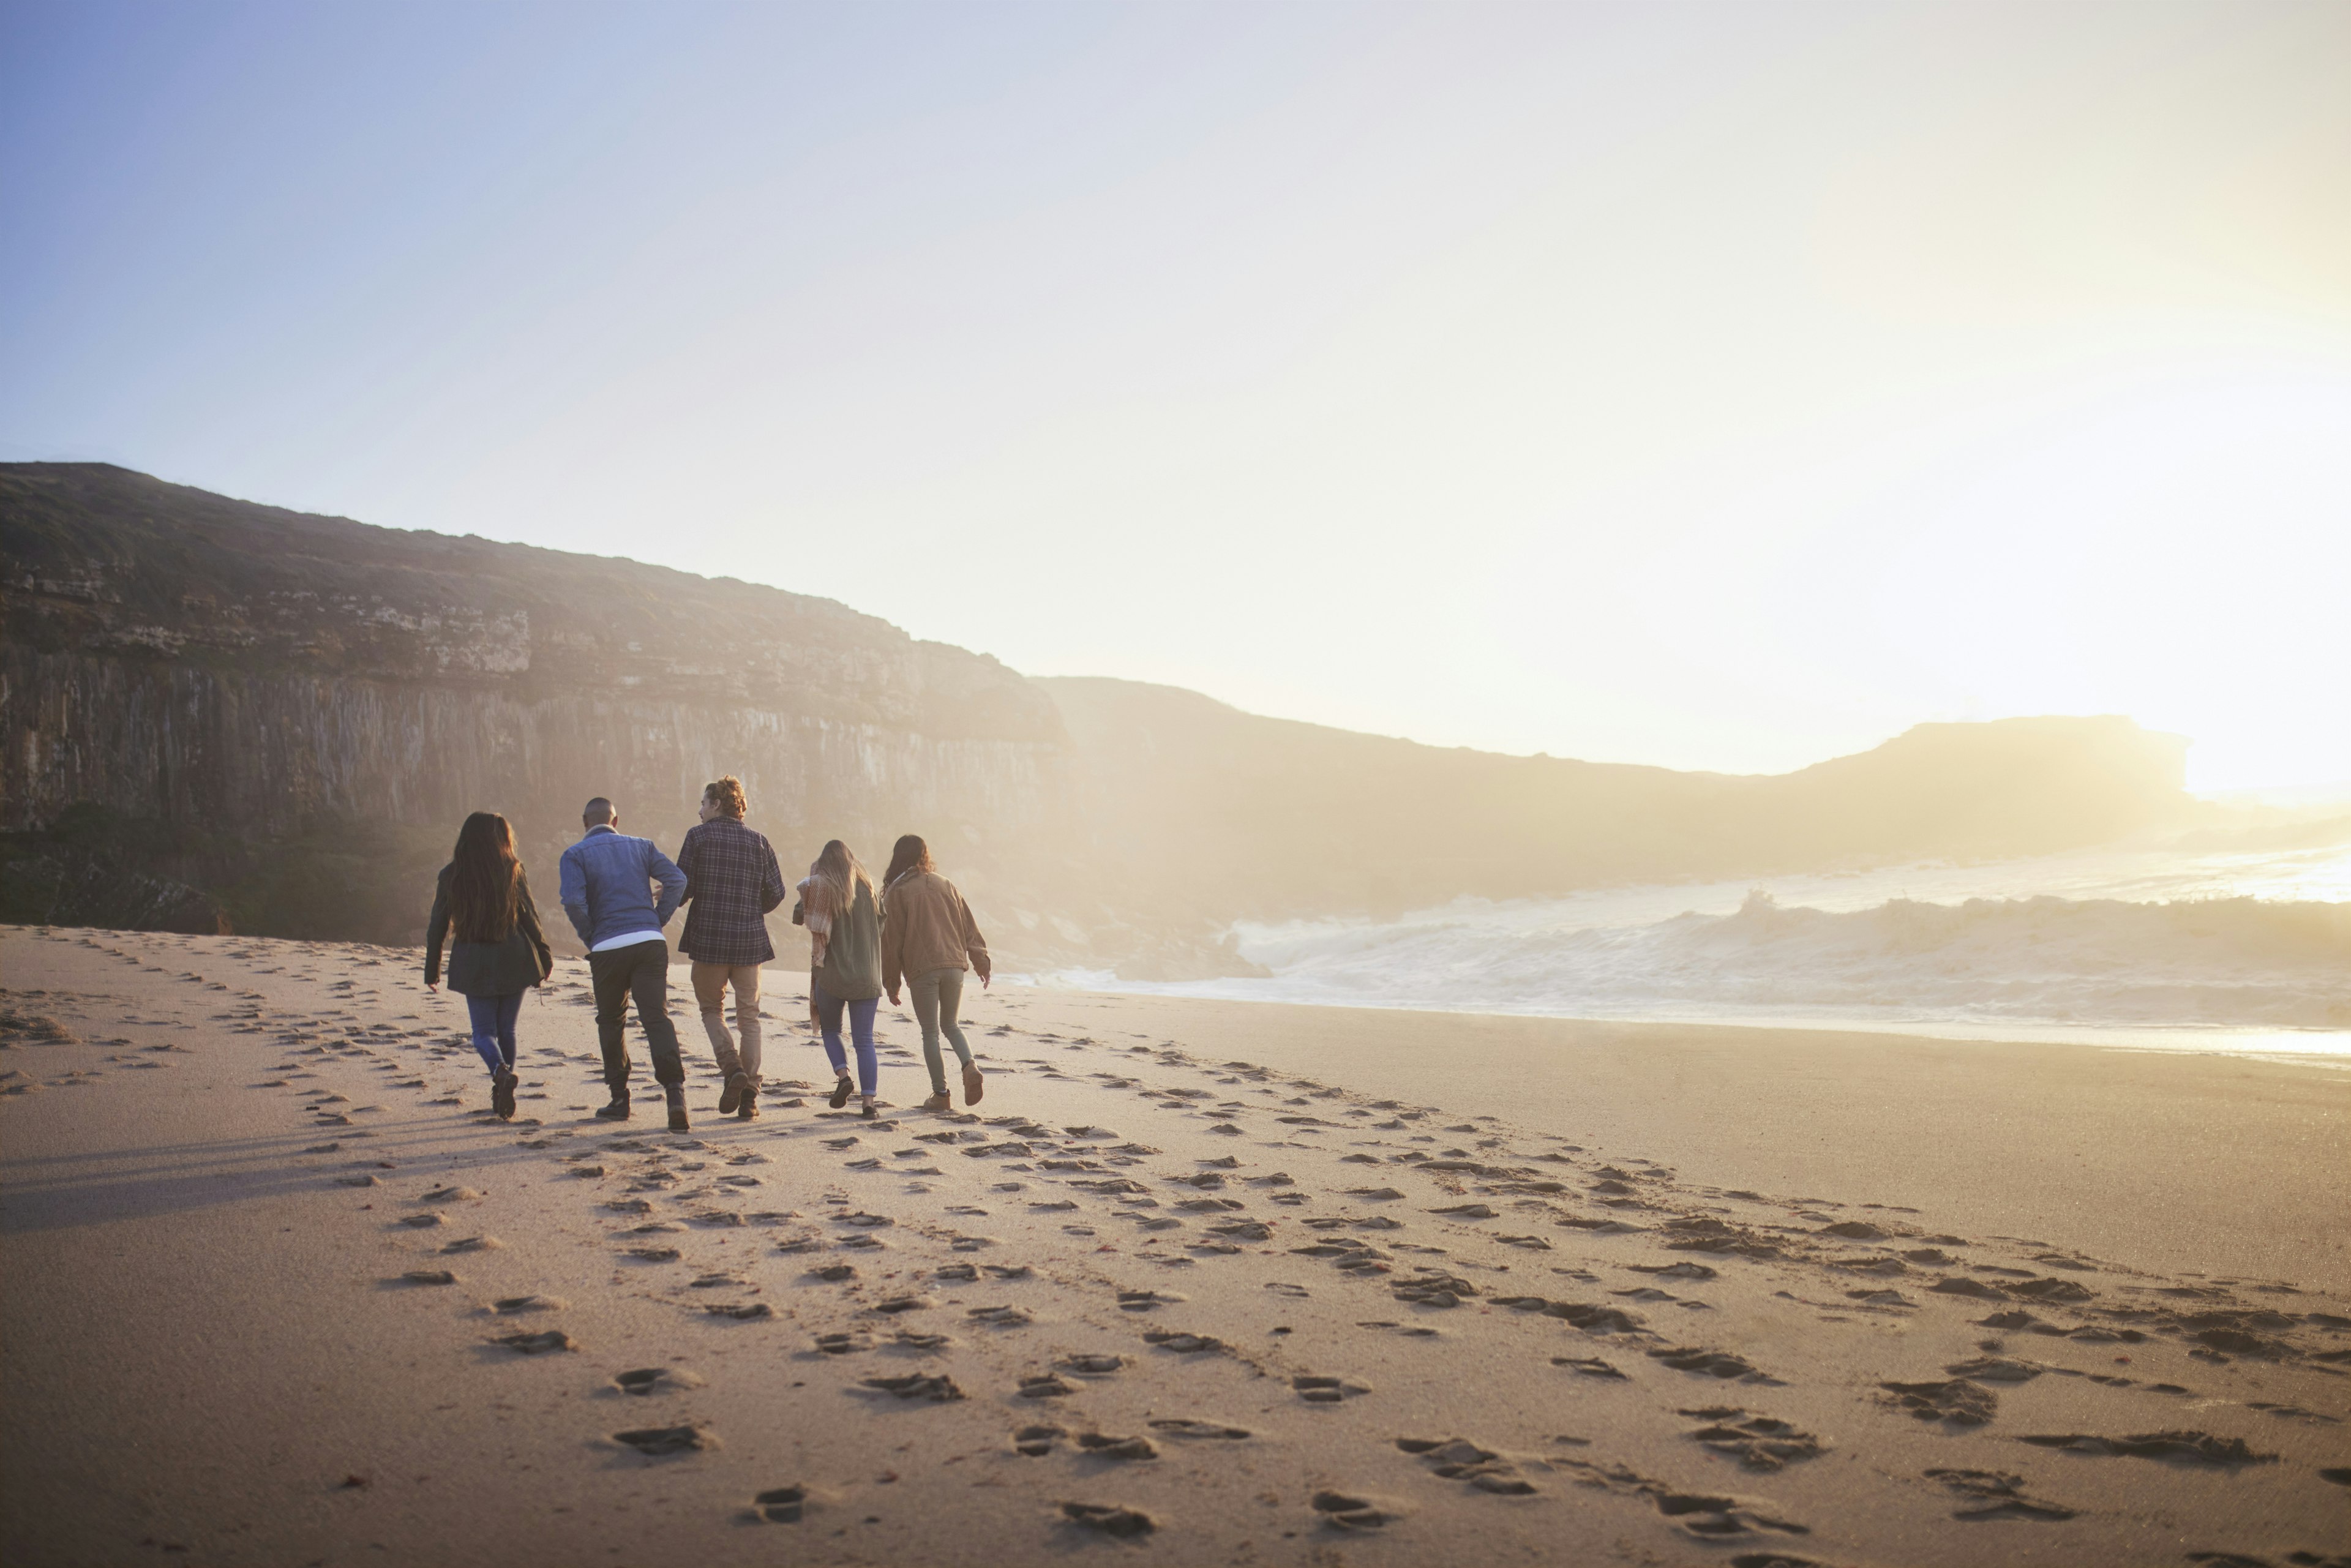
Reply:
x=928 y=940
x=499 y=953
x=843 y=917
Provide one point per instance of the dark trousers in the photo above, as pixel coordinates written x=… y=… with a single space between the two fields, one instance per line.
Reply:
x=640 y=971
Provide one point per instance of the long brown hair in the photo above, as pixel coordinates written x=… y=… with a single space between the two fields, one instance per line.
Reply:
x=486 y=884
x=838 y=867
x=912 y=854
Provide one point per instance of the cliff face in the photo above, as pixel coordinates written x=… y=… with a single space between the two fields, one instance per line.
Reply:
x=1196 y=806
x=220 y=715
x=247 y=675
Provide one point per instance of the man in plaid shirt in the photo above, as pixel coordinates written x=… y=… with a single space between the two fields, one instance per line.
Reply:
x=731 y=881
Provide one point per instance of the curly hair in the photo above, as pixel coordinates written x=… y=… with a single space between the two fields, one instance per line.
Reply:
x=726 y=794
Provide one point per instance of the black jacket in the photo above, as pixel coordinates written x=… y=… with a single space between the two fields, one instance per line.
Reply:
x=489 y=969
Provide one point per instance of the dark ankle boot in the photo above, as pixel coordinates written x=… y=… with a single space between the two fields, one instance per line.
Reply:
x=748 y=1110
x=678 y=1121
x=618 y=1111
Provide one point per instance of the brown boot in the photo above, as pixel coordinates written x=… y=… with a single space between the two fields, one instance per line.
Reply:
x=678 y=1120
x=732 y=1096
x=971 y=1086
x=749 y=1110
x=938 y=1101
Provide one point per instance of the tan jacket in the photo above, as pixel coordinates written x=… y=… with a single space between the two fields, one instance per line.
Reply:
x=927 y=926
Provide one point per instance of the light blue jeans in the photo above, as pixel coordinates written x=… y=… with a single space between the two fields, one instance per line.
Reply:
x=861 y=1029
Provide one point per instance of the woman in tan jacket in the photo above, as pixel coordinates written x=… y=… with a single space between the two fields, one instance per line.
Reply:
x=928 y=940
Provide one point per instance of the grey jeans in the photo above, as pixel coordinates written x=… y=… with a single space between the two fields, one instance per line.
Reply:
x=939 y=997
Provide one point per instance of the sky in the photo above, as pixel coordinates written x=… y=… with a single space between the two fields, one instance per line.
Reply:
x=1717 y=386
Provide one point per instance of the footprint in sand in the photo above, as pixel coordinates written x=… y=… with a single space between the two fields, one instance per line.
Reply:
x=998 y=1317
x=1588 y=1366
x=536 y=1343
x=1046 y=1386
x=1109 y=1519
x=2194 y=1448
x=1147 y=1300
x=658 y=1441
x=509 y=1306
x=1716 y=1364
x=1182 y=1343
x=1342 y=1510
x=1996 y=1494
x=1100 y=1445
x=429 y=1277
x=1036 y=1441
x=472 y=1244
x=1187 y=1427
x=1957 y=1402
x=1318 y=1390
x=781 y=1505
x=1456 y=1460
x=1757 y=1442
x=918 y=1386
x=648 y=1380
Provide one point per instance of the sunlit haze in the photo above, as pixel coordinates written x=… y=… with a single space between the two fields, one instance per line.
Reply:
x=1722 y=386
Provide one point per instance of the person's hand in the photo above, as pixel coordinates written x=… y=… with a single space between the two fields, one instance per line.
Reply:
x=984 y=979
x=431 y=989
x=895 y=1001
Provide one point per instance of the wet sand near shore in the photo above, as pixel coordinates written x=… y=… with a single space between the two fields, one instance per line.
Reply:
x=1195 y=1283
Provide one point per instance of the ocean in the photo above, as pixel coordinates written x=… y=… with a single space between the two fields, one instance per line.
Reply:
x=2237 y=942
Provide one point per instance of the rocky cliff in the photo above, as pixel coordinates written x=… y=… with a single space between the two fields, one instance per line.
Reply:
x=221 y=715
x=263 y=693
x=1196 y=806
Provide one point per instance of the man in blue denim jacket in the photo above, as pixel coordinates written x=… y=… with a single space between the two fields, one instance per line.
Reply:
x=607 y=891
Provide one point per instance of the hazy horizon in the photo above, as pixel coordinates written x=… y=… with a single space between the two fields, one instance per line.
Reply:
x=1718 y=388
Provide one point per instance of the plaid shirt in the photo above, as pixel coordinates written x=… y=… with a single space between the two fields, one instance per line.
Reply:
x=731 y=880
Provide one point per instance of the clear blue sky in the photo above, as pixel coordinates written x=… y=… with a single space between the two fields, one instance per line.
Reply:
x=1723 y=385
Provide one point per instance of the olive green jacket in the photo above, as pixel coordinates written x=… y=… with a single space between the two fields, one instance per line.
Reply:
x=852 y=970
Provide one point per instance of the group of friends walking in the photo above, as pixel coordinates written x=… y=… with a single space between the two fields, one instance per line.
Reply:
x=911 y=931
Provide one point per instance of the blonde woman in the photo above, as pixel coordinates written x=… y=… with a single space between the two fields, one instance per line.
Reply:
x=843 y=915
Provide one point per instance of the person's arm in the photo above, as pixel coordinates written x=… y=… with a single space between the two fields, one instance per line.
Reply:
x=436 y=931
x=572 y=888
x=771 y=884
x=527 y=916
x=673 y=881
x=975 y=945
x=688 y=854
x=894 y=946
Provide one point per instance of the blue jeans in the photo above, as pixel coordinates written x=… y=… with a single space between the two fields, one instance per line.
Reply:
x=494 y=1027
x=861 y=1029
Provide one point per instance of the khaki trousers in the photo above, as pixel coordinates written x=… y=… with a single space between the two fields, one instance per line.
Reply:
x=710 y=983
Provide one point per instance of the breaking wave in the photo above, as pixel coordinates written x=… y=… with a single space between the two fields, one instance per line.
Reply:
x=2236 y=962
x=2240 y=972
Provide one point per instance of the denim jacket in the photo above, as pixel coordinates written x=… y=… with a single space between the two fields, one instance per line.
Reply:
x=607 y=886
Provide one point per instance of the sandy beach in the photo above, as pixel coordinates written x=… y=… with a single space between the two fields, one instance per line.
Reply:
x=1196 y=1283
